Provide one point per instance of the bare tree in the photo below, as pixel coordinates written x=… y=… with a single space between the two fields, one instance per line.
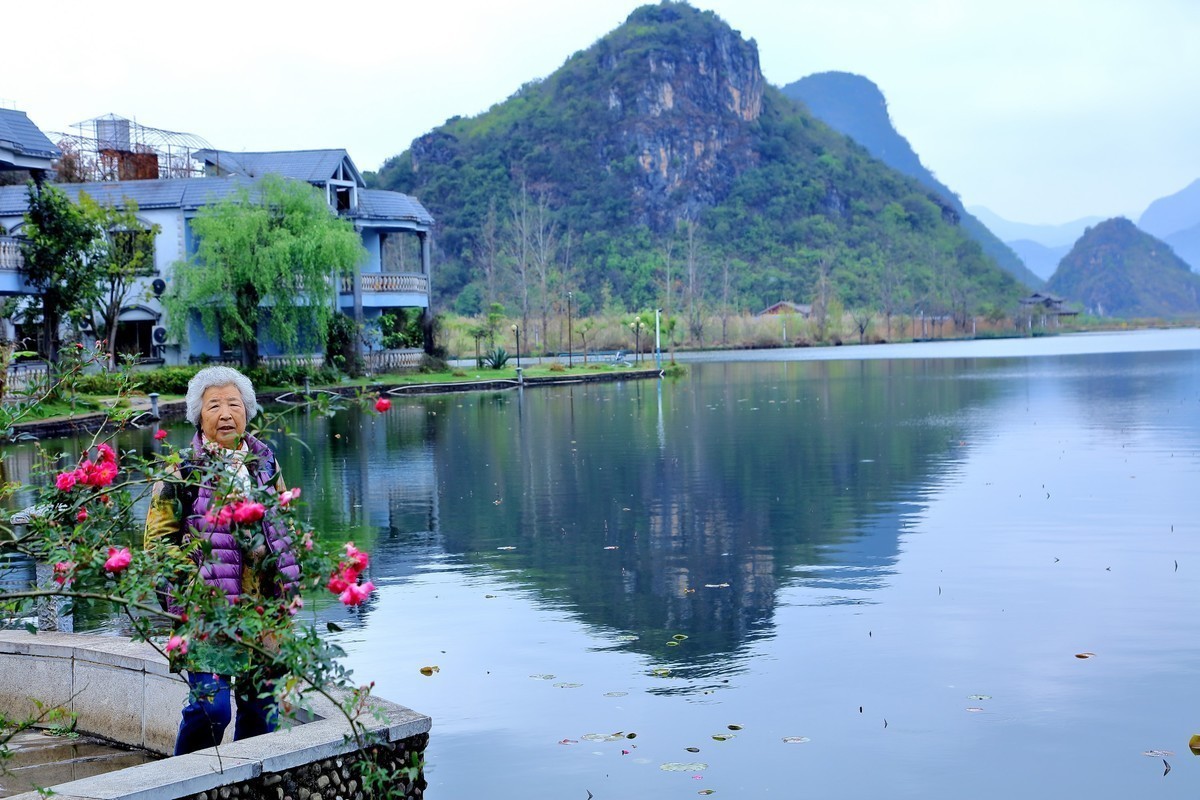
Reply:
x=695 y=310
x=488 y=252
x=517 y=248
x=544 y=248
x=668 y=249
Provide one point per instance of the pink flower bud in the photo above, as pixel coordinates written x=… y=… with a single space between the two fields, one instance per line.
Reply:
x=177 y=643
x=82 y=515
x=382 y=404
x=160 y=434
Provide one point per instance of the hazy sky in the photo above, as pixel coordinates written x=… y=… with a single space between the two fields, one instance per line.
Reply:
x=1042 y=110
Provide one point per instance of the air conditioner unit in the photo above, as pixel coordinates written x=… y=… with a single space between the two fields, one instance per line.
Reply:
x=159 y=286
x=159 y=334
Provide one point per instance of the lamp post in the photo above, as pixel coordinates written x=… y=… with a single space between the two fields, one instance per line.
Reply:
x=570 y=352
x=637 y=326
x=516 y=330
x=657 y=345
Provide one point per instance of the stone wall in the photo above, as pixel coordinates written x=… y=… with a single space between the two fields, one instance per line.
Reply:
x=122 y=691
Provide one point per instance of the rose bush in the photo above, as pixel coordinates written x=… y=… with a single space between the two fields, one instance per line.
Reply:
x=82 y=528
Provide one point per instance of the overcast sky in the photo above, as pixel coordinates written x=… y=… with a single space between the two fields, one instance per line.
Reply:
x=1042 y=110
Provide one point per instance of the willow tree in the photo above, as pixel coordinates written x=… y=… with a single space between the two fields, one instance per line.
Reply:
x=266 y=266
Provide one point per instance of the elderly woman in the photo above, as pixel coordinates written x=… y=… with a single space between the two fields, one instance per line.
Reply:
x=223 y=465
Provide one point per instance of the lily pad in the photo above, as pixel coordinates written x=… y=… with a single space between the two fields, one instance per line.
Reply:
x=681 y=766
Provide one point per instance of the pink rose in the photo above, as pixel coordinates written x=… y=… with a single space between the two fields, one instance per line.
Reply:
x=355 y=594
x=65 y=481
x=358 y=559
x=382 y=404
x=118 y=559
x=177 y=643
x=62 y=572
x=288 y=496
x=338 y=583
x=82 y=515
x=247 y=512
x=160 y=434
x=107 y=455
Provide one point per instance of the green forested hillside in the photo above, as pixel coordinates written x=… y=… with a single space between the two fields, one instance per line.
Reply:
x=1117 y=270
x=659 y=151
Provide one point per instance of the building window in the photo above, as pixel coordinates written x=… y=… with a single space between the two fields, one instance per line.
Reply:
x=134 y=340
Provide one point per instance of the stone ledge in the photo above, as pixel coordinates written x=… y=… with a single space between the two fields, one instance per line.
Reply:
x=237 y=762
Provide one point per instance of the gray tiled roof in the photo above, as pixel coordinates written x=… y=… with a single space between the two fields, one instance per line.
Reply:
x=17 y=130
x=192 y=193
x=314 y=166
x=380 y=204
x=185 y=193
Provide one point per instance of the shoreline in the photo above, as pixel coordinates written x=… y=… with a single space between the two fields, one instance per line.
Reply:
x=174 y=409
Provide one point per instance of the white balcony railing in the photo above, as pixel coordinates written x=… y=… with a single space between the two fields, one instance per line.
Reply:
x=389 y=282
x=10 y=254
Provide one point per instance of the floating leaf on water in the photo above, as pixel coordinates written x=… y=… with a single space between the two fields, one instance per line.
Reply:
x=567 y=685
x=1084 y=655
x=680 y=766
x=489 y=597
x=679 y=637
x=723 y=737
x=508 y=547
x=615 y=694
x=662 y=672
x=672 y=644
x=796 y=739
x=693 y=749
x=430 y=670
x=542 y=677
x=734 y=727
x=1158 y=753
x=631 y=735
x=979 y=697
x=707 y=791
x=1194 y=743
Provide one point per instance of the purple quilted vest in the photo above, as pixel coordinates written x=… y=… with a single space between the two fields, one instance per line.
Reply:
x=222 y=566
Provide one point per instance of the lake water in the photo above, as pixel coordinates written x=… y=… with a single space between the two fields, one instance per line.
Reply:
x=885 y=562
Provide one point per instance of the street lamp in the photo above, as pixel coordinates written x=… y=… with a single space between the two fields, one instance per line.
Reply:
x=657 y=346
x=637 y=326
x=517 y=331
x=570 y=353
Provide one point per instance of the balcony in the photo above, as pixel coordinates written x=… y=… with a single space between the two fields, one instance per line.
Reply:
x=11 y=279
x=387 y=290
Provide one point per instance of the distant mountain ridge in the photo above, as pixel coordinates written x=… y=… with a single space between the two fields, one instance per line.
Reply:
x=1040 y=259
x=1117 y=270
x=855 y=106
x=1064 y=234
x=662 y=129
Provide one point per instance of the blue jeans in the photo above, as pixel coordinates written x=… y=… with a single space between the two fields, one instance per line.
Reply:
x=207 y=713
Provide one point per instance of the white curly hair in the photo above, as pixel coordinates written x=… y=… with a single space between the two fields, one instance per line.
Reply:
x=219 y=376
